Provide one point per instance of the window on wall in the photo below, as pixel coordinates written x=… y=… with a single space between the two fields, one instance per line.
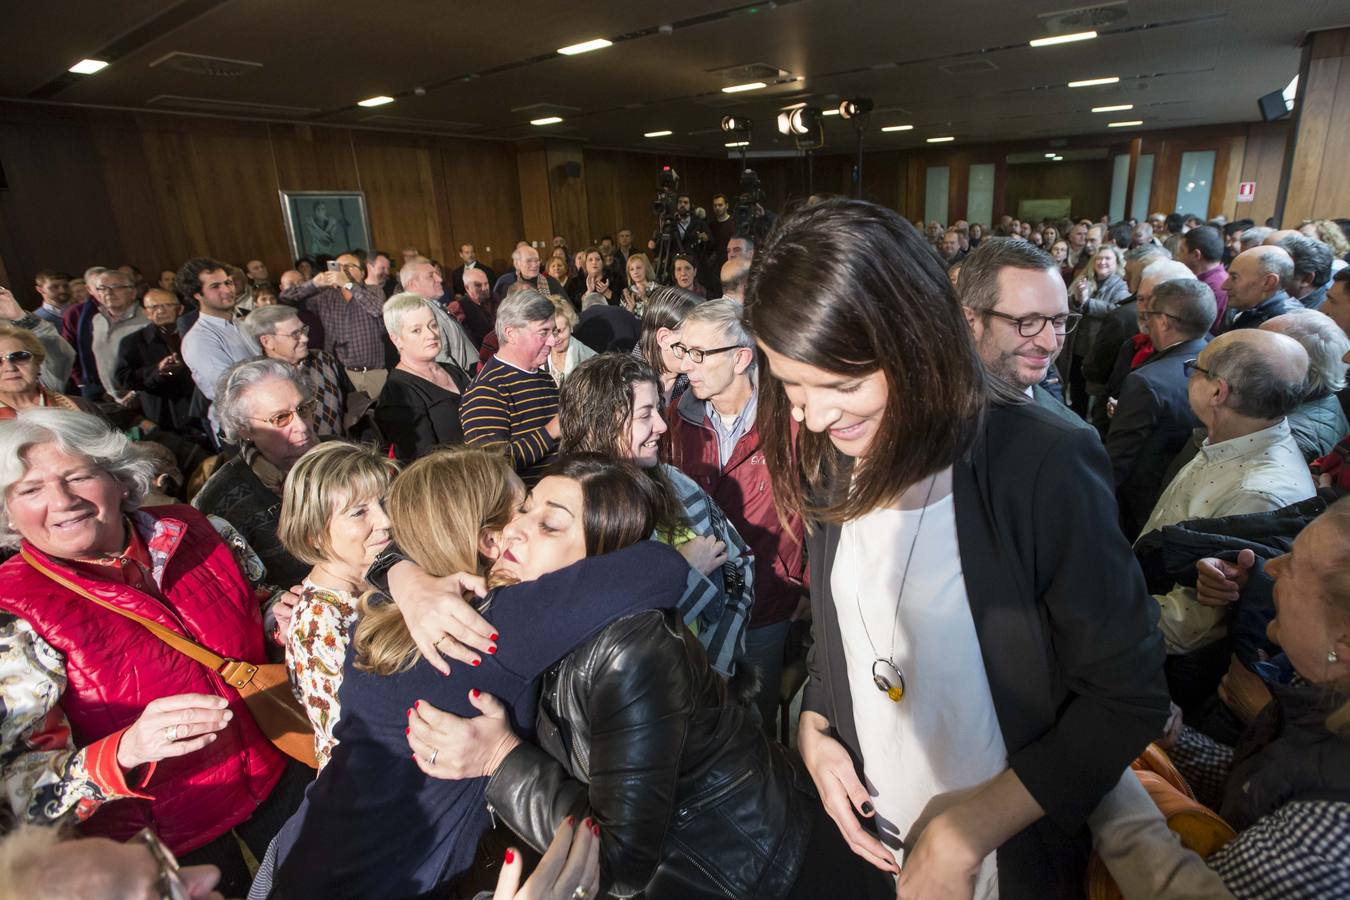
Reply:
x=935 y=194
x=1120 y=181
x=1143 y=186
x=1194 y=181
x=980 y=194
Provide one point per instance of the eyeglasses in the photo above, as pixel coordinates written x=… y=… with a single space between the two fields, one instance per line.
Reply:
x=18 y=356
x=1157 y=312
x=169 y=885
x=109 y=288
x=282 y=419
x=1030 y=326
x=1191 y=366
x=698 y=354
x=152 y=307
x=302 y=331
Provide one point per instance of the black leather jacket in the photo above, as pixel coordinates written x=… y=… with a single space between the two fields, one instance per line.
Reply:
x=691 y=799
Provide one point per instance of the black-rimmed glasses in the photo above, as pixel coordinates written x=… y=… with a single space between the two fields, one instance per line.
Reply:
x=1191 y=366
x=1030 y=326
x=698 y=354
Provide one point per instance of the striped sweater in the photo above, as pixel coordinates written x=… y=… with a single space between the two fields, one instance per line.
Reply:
x=507 y=407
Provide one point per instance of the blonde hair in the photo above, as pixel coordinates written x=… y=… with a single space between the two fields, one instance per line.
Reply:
x=564 y=309
x=648 y=270
x=326 y=480
x=27 y=338
x=439 y=506
x=23 y=860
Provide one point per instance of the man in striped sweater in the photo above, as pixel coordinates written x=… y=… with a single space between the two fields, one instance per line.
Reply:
x=513 y=404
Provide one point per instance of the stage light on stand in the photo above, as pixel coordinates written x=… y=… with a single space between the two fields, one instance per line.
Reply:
x=736 y=123
x=855 y=108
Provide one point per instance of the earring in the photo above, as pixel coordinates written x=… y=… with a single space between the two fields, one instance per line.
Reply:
x=798 y=414
x=1332 y=657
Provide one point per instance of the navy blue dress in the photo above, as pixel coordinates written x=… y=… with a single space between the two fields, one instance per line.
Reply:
x=372 y=824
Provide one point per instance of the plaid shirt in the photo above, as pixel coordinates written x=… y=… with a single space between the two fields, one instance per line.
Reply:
x=327 y=379
x=353 y=330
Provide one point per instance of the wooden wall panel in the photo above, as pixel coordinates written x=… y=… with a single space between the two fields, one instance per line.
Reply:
x=403 y=199
x=571 y=218
x=1324 y=95
x=1262 y=162
x=1087 y=182
x=482 y=188
x=536 y=202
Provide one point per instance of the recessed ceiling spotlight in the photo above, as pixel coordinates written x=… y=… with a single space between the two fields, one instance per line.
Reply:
x=88 y=66
x=898 y=128
x=658 y=134
x=738 y=88
x=585 y=47
x=1119 y=107
x=1125 y=124
x=1091 y=82
x=1063 y=39
x=941 y=140
x=547 y=120
x=375 y=101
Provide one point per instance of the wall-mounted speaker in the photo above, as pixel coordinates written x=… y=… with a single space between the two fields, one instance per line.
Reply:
x=1272 y=106
x=571 y=169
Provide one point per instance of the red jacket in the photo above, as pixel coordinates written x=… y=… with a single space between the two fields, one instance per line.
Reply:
x=114 y=667
x=744 y=491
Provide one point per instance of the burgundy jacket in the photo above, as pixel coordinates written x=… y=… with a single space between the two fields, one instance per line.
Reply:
x=744 y=491
x=114 y=667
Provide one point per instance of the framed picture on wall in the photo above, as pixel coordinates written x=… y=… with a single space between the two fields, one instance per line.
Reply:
x=325 y=223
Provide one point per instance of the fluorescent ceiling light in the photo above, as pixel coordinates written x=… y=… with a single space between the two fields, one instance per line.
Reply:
x=547 y=120
x=585 y=47
x=1057 y=159
x=1090 y=82
x=658 y=134
x=898 y=128
x=1063 y=39
x=941 y=140
x=1051 y=155
x=1125 y=124
x=737 y=88
x=88 y=66
x=738 y=144
x=1119 y=107
x=831 y=112
x=375 y=101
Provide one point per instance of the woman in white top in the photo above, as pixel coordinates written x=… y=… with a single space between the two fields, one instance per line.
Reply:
x=984 y=645
x=567 y=353
x=332 y=517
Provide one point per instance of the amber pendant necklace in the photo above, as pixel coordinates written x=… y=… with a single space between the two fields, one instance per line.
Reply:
x=886 y=674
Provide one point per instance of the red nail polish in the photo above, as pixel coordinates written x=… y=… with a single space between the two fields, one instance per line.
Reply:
x=417 y=705
x=492 y=649
x=510 y=857
x=493 y=636
x=475 y=692
x=410 y=713
x=571 y=820
x=407 y=731
x=586 y=822
x=477 y=662
x=595 y=830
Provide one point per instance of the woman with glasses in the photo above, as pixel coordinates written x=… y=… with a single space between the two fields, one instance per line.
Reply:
x=418 y=409
x=102 y=724
x=665 y=309
x=987 y=661
x=21 y=356
x=267 y=409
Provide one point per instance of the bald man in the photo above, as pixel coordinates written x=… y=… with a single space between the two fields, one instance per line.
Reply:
x=1275 y=237
x=1255 y=286
x=735 y=273
x=1241 y=388
x=352 y=315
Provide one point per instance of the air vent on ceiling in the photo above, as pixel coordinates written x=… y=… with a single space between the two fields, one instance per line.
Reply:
x=231 y=107
x=421 y=124
x=1099 y=15
x=745 y=73
x=211 y=66
x=968 y=67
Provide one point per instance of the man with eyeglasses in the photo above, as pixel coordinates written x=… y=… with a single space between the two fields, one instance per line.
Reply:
x=1241 y=387
x=150 y=362
x=714 y=439
x=1018 y=309
x=283 y=336
x=1153 y=417
x=119 y=317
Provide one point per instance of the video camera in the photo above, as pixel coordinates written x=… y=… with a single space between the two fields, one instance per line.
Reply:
x=748 y=213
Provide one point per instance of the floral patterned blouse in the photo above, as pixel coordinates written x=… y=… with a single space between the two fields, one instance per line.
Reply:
x=316 y=647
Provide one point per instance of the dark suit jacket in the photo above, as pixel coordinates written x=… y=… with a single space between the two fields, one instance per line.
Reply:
x=608 y=329
x=1277 y=305
x=457 y=278
x=166 y=398
x=416 y=416
x=1066 y=626
x=1152 y=422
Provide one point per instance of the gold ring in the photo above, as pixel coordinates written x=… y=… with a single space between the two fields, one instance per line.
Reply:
x=580 y=893
x=171 y=733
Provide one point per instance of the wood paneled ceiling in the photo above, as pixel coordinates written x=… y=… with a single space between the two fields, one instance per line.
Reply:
x=486 y=69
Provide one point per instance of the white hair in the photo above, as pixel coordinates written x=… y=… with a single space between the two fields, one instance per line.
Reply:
x=727 y=316
x=522 y=309
x=398 y=306
x=75 y=434
x=234 y=385
x=1166 y=270
x=265 y=319
x=409 y=270
x=1325 y=343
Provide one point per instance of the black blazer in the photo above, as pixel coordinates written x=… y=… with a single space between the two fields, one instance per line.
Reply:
x=166 y=397
x=457 y=278
x=416 y=416
x=1152 y=422
x=1068 y=632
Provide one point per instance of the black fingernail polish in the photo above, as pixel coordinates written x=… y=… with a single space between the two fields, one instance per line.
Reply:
x=867 y=808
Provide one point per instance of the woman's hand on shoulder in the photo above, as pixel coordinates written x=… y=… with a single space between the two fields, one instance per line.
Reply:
x=569 y=869
x=841 y=793
x=442 y=623
x=450 y=747
x=704 y=553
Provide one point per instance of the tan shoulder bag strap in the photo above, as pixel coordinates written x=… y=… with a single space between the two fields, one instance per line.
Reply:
x=237 y=673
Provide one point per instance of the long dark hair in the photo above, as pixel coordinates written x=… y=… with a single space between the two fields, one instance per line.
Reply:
x=853 y=288
x=595 y=410
x=665 y=307
x=619 y=505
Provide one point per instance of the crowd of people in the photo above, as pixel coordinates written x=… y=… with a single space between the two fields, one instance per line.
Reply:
x=1011 y=511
